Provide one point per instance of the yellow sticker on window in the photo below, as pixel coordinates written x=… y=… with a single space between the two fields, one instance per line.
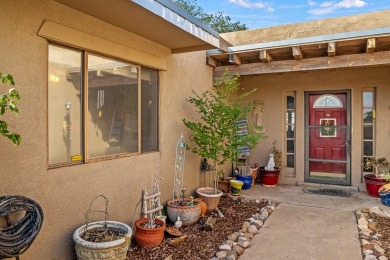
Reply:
x=76 y=158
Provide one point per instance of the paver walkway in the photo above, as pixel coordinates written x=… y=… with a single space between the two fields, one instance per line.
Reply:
x=308 y=226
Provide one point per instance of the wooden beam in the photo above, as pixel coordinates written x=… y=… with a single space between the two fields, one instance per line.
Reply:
x=323 y=63
x=234 y=59
x=297 y=53
x=224 y=45
x=264 y=56
x=211 y=61
x=331 y=49
x=370 y=45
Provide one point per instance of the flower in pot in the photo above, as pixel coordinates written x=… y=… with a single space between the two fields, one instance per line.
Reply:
x=269 y=175
x=149 y=230
x=188 y=210
x=374 y=180
x=384 y=191
x=215 y=135
x=106 y=239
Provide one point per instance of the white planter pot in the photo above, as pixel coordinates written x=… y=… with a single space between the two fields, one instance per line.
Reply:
x=113 y=250
x=208 y=195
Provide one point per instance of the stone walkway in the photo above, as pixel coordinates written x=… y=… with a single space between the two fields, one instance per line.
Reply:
x=307 y=226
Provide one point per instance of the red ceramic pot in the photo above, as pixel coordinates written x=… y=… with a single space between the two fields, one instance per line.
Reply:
x=149 y=237
x=269 y=178
x=373 y=183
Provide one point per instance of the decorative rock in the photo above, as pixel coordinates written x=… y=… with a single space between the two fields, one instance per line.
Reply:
x=229 y=242
x=239 y=249
x=221 y=254
x=362 y=221
x=372 y=227
x=244 y=230
x=364 y=228
x=270 y=209
x=250 y=220
x=225 y=247
x=249 y=235
x=383 y=257
x=232 y=237
x=231 y=255
x=257 y=201
x=364 y=242
x=252 y=229
x=246 y=224
x=256 y=224
x=379 y=249
x=256 y=216
x=264 y=212
x=367 y=246
x=368 y=252
x=364 y=234
x=370 y=257
x=244 y=242
x=214 y=258
x=380 y=212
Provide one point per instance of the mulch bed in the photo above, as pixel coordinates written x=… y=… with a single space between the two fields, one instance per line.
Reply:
x=383 y=227
x=201 y=244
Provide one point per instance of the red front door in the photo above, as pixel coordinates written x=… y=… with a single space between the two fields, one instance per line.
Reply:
x=328 y=138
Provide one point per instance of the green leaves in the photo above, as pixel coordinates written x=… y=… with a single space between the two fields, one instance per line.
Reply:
x=9 y=102
x=219 y=21
x=215 y=135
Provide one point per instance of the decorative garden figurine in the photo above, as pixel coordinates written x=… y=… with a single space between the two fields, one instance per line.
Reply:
x=178 y=223
x=271 y=162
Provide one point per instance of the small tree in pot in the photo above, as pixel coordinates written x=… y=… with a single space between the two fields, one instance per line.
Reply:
x=374 y=180
x=215 y=135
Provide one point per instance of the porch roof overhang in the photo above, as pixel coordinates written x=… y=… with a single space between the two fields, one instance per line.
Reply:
x=333 y=51
x=160 y=21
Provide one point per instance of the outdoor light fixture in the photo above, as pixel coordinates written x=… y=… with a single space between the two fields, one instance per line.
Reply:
x=68 y=105
x=54 y=78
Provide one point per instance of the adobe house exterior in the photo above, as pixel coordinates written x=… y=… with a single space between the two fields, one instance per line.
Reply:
x=43 y=47
x=71 y=59
x=314 y=77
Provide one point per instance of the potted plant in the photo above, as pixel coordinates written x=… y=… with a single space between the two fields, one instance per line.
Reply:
x=189 y=210
x=269 y=175
x=106 y=239
x=9 y=102
x=374 y=180
x=384 y=191
x=149 y=230
x=215 y=135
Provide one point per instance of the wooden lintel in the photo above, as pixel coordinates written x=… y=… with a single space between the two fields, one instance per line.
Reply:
x=264 y=56
x=323 y=63
x=211 y=61
x=331 y=49
x=370 y=45
x=297 y=53
x=224 y=45
x=234 y=59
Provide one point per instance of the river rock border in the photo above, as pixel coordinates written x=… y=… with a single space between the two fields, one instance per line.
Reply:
x=368 y=234
x=237 y=242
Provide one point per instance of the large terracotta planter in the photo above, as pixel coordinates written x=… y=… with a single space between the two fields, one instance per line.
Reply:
x=269 y=178
x=373 y=184
x=149 y=237
x=209 y=196
x=113 y=250
x=188 y=214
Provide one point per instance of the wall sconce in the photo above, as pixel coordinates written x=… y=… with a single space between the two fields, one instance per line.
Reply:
x=68 y=106
x=54 y=78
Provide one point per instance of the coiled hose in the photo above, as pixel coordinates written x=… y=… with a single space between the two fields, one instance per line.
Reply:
x=18 y=237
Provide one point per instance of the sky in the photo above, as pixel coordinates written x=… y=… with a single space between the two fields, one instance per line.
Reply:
x=266 y=13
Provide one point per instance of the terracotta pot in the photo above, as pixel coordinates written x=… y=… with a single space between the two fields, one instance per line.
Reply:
x=113 y=250
x=149 y=237
x=269 y=178
x=188 y=214
x=208 y=195
x=373 y=184
x=224 y=185
x=203 y=207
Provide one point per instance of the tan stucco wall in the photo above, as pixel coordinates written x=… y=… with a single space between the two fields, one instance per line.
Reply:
x=360 y=22
x=271 y=89
x=65 y=193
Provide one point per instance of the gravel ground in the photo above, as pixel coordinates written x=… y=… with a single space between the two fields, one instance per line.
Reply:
x=201 y=244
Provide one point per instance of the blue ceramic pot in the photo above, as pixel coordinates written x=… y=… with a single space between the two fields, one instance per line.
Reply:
x=247 y=180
